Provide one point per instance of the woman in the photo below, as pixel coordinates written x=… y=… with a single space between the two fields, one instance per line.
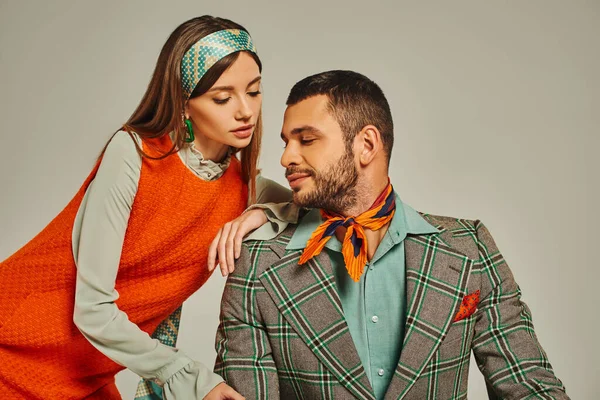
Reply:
x=79 y=300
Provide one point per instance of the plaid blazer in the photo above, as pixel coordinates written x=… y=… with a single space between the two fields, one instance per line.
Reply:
x=283 y=333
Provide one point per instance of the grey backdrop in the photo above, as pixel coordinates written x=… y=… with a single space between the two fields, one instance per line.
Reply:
x=496 y=106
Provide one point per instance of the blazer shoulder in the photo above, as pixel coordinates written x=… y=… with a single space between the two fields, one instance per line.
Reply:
x=459 y=233
x=450 y=223
x=258 y=255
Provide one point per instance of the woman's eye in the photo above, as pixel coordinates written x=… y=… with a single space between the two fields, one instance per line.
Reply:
x=221 y=101
x=254 y=94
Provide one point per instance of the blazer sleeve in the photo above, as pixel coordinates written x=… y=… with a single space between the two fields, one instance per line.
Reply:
x=507 y=351
x=244 y=356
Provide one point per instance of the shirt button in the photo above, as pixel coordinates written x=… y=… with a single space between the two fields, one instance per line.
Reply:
x=374 y=318
x=380 y=372
x=209 y=175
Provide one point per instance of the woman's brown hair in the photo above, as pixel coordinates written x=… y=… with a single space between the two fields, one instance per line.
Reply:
x=162 y=108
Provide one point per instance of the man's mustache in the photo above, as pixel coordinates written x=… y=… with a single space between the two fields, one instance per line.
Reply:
x=290 y=171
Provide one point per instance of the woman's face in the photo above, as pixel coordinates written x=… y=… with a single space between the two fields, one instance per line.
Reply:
x=227 y=113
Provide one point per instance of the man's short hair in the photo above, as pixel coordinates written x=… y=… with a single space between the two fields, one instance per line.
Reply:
x=354 y=100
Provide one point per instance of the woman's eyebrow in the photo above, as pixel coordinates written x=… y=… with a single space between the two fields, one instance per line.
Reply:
x=230 y=88
x=253 y=81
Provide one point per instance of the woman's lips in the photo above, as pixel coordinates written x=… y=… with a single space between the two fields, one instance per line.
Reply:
x=243 y=132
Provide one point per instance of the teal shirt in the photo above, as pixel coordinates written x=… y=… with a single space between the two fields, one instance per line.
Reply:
x=374 y=307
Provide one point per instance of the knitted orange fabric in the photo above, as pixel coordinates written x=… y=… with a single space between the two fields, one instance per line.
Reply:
x=174 y=217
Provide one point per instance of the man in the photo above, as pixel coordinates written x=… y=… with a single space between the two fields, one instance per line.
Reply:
x=364 y=297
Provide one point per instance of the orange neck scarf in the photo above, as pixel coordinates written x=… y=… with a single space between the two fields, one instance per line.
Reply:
x=354 y=246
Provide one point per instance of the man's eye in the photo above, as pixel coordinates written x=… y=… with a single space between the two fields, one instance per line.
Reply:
x=307 y=141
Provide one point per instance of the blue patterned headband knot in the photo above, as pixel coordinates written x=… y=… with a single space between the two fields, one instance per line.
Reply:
x=207 y=51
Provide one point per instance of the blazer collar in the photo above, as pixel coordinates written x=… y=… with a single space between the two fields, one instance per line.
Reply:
x=436 y=282
x=306 y=295
x=307 y=298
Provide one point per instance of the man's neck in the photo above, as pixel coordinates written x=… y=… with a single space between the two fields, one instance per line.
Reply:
x=374 y=238
x=367 y=194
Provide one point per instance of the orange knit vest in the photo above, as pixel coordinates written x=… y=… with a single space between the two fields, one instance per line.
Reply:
x=174 y=217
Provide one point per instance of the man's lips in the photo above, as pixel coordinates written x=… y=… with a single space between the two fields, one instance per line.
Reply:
x=296 y=179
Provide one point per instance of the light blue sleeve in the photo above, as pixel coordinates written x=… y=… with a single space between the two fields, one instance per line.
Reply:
x=98 y=236
x=276 y=201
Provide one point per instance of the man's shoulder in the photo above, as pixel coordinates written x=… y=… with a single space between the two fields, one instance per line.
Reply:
x=258 y=255
x=271 y=240
x=275 y=243
x=446 y=223
x=459 y=233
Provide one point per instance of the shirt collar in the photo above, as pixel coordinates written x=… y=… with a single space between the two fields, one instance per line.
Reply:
x=194 y=160
x=405 y=221
x=222 y=166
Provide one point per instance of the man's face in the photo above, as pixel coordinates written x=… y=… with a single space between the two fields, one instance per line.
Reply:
x=321 y=172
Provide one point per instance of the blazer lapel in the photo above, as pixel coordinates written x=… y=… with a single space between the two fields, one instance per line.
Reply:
x=437 y=278
x=307 y=298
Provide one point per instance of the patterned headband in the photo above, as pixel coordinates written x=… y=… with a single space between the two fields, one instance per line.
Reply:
x=207 y=51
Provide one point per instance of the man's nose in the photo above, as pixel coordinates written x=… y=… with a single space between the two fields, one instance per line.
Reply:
x=290 y=156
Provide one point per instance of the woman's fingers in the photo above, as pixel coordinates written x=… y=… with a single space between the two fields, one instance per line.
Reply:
x=222 y=249
x=212 y=251
x=248 y=222
x=226 y=247
x=229 y=246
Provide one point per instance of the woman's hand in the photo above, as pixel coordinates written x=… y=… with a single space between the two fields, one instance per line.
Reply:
x=227 y=244
x=223 y=392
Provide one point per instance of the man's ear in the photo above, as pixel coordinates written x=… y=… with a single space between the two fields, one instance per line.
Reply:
x=368 y=144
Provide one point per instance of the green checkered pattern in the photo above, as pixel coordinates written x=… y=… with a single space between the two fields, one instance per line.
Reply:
x=166 y=333
x=283 y=333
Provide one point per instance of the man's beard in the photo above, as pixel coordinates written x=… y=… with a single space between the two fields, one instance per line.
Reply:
x=335 y=186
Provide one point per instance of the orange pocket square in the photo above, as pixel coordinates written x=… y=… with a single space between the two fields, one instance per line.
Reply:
x=468 y=306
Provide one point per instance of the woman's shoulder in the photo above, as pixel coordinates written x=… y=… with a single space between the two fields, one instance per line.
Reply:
x=122 y=146
x=121 y=156
x=123 y=141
